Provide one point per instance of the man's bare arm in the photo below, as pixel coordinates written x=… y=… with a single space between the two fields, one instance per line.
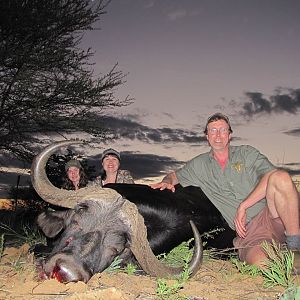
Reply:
x=255 y=196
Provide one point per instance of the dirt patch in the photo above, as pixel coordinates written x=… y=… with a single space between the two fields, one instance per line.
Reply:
x=217 y=279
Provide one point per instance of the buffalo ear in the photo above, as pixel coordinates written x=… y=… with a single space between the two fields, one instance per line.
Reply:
x=118 y=203
x=127 y=255
x=51 y=223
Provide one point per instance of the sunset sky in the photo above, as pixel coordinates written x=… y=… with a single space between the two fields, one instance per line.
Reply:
x=188 y=59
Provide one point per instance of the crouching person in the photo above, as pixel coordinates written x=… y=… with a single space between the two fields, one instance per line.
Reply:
x=258 y=201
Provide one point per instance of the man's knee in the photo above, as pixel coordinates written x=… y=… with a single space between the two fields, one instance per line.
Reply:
x=280 y=180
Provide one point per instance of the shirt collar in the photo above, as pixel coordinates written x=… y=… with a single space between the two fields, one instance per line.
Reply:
x=230 y=150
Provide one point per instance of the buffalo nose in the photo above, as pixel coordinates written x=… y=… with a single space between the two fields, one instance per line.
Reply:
x=63 y=274
x=66 y=268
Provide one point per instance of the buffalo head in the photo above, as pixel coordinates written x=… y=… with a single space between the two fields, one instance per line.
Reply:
x=98 y=226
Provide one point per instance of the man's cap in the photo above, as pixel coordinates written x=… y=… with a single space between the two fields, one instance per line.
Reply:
x=111 y=151
x=215 y=117
x=73 y=163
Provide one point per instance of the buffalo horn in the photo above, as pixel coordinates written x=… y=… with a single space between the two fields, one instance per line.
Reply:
x=54 y=195
x=144 y=255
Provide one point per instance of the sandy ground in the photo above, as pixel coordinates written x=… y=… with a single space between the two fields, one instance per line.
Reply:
x=217 y=279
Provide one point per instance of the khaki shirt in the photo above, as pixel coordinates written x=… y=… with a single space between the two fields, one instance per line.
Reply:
x=123 y=176
x=227 y=189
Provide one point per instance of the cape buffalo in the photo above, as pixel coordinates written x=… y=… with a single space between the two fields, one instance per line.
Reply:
x=125 y=220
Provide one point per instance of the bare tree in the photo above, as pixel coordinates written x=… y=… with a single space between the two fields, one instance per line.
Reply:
x=47 y=83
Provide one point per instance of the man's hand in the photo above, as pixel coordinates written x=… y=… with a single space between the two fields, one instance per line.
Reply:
x=240 y=222
x=168 y=182
x=163 y=185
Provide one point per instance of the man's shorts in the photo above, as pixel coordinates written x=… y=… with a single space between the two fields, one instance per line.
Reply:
x=261 y=228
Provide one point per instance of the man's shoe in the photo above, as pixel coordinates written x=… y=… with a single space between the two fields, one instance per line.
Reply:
x=296 y=264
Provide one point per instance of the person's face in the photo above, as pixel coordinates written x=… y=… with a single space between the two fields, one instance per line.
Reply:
x=73 y=174
x=218 y=135
x=110 y=164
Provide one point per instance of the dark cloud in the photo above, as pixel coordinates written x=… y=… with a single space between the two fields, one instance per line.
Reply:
x=283 y=101
x=9 y=161
x=293 y=172
x=293 y=164
x=293 y=132
x=292 y=168
x=287 y=102
x=142 y=165
x=146 y=165
x=257 y=104
x=149 y=165
x=131 y=129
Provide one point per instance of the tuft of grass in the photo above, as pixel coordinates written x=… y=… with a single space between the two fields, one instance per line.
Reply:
x=115 y=265
x=214 y=253
x=211 y=234
x=165 y=291
x=169 y=292
x=244 y=268
x=291 y=293
x=19 y=264
x=27 y=235
x=181 y=253
x=277 y=268
x=279 y=265
x=178 y=256
x=130 y=269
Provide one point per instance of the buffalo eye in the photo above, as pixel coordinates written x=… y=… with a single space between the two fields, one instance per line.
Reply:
x=116 y=251
x=81 y=207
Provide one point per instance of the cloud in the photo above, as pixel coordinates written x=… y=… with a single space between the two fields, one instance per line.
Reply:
x=284 y=100
x=177 y=14
x=149 y=4
x=256 y=104
x=293 y=132
x=287 y=102
x=142 y=165
x=131 y=129
x=148 y=165
x=294 y=172
x=292 y=168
